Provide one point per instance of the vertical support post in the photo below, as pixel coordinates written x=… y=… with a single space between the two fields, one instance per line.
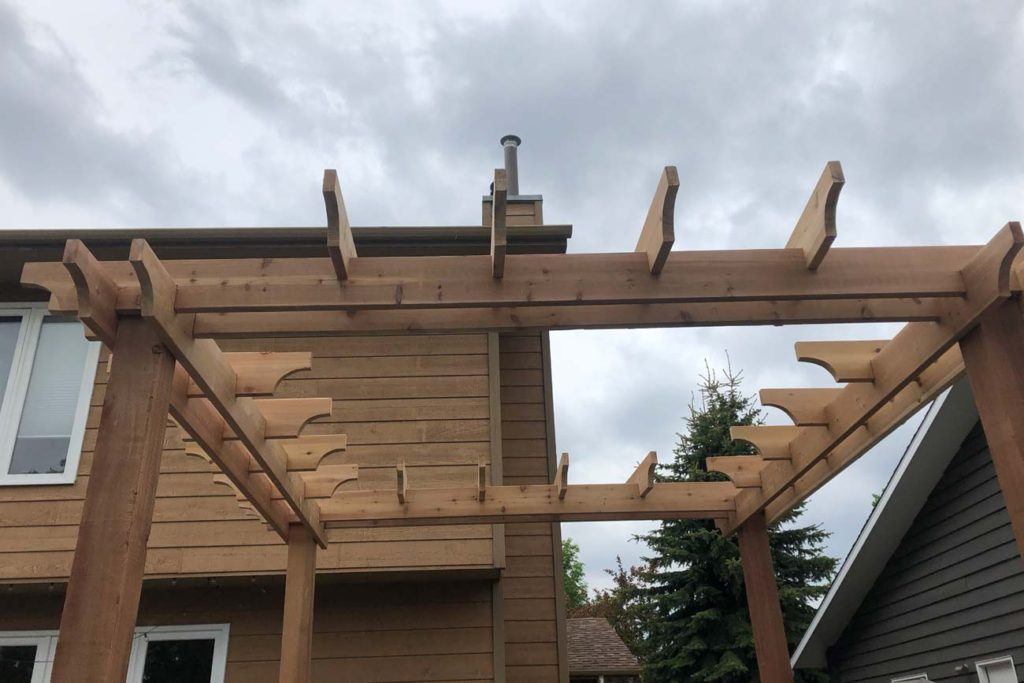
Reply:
x=763 y=602
x=299 y=587
x=993 y=353
x=102 y=599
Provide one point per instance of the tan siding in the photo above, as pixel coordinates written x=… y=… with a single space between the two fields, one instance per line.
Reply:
x=423 y=400
x=529 y=583
x=424 y=631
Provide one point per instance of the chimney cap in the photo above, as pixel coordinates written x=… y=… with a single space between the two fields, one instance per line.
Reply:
x=514 y=140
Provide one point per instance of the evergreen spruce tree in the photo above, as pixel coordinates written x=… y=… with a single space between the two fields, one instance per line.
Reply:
x=699 y=628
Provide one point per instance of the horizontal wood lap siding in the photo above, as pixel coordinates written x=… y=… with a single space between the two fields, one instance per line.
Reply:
x=531 y=612
x=422 y=400
x=395 y=632
x=953 y=591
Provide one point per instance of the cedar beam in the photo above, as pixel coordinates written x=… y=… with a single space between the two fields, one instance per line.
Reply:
x=993 y=354
x=562 y=476
x=340 y=245
x=816 y=229
x=299 y=593
x=643 y=475
x=763 y=602
x=103 y=592
x=340 y=323
x=805 y=407
x=205 y=363
x=743 y=470
x=499 y=219
x=446 y=282
x=906 y=357
x=846 y=361
x=528 y=503
x=658 y=233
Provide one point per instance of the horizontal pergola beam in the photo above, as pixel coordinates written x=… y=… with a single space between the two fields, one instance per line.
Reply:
x=528 y=503
x=442 y=282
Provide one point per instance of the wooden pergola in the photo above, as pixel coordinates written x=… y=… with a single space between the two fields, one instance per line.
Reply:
x=161 y=320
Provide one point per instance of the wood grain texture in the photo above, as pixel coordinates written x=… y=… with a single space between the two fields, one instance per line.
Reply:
x=763 y=602
x=110 y=553
x=297 y=623
x=993 y=354
x=499 y=231
x=816 y=228
x=340 y=246
x=658 y=233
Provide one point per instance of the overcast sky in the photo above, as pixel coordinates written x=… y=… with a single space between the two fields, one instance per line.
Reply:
x=226 y=114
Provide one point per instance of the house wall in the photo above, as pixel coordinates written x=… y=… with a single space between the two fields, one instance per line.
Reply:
x=422 y=399
x=395 y=632
x=953 y=591
x=531 y=584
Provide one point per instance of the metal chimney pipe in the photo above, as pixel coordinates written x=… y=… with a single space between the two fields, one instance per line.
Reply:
x=510 y=143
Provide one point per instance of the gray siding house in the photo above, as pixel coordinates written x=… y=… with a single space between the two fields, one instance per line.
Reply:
x=933 y=589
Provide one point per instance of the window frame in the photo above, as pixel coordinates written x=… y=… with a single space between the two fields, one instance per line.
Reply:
x=913 y=678
x=45 y=642
x=46 y=646
x=982 y=666
x=16 y=391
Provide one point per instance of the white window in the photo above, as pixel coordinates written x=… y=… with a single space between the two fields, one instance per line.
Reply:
x=160 y=654
x=999 y=670
x=47 y=369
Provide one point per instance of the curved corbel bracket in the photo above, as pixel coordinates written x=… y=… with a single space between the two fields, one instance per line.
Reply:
x=989 y=273
x=658 y=233
x=743 y=470
x=195 y=450
x=324 y=482
x=806 y=407
x=816 y=229
x=95 y=291
x=643 y=475
x=283 y=418
x=771 y=441
x=562 y=476
x=846 y=361
x=305 y=453
x=257 y=373
x=401 y=483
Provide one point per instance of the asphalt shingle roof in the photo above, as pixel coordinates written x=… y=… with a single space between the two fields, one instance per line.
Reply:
x=595 y=647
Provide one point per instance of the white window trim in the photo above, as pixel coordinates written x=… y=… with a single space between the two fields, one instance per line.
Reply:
x=911 y=679
x=46 y=642
x=16 y=391
x=982 y=667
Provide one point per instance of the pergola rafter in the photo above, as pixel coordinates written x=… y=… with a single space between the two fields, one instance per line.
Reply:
x=224 y=401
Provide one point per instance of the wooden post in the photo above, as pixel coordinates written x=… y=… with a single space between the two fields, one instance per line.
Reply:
x=763 y=602
x=993 y=355
x=299 y=587
x=102 y=600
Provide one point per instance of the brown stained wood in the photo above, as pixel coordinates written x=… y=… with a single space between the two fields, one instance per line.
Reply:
x=562 y=476
x=205 y=363
x=993 y=354
x=495 y=447
x=643 y=475
x=743 y=470
x=528 y=503
x=440 y=282
x=95 y=292
x=918 y=345
x=338 y=324
x=806 y=407
x=763 y=602
x=771 y=441
x=816 y=229
x=297 y=623
x=499 y=230
x=103 y=592
x=658 y=233
x=481 y=486
x=846 y=361
x=340 y=246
